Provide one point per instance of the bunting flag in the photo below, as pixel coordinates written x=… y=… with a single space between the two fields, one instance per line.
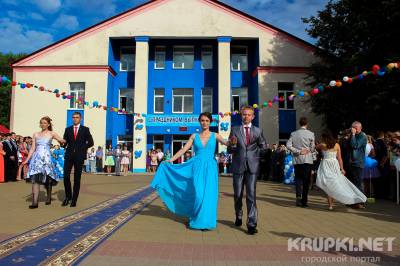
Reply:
x=375 y=70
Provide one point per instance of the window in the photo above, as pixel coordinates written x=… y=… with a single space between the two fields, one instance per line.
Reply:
x=206 y=57
x=159 y=57
x=158 y=142
x=182 y=101
x=126 y=100
x=285 y=89
x=183 y=57
x=127 y=59
x=206 y=100
x=77 y=90
x=158 y=101
x=125 y=140
x=239 y=59
x=239 y=98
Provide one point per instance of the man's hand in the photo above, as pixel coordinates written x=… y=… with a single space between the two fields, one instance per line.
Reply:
x=233 y=140
x=12 y=158
x=353 y=131
x=304 y=151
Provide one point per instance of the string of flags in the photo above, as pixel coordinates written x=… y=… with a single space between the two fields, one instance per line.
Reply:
x=375 y=70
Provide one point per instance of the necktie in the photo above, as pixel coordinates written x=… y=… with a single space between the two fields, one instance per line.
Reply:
x=75 y=132
x=247 y=135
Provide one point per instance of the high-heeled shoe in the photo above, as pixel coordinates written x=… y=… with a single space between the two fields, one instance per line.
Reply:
x=330 y=208
x=33 y=206
x=48 y=202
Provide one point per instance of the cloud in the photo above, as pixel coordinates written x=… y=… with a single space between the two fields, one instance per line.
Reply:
x=93 y=7
x=49 y=6
x=284 y=14
x=20 y=40
x=66 y=21
x=36 y=16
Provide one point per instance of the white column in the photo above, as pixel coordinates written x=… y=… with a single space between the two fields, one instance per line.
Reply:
x=140 y=103
x=224 y=86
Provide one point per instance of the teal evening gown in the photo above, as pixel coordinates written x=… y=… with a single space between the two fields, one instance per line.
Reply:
x=190 y=189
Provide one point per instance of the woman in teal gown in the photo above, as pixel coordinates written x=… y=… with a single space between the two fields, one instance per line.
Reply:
x=190 y=189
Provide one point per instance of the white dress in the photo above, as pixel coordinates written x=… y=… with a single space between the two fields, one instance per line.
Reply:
x=331 y=180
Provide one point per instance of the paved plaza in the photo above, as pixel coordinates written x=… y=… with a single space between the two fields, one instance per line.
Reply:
x=121 y=221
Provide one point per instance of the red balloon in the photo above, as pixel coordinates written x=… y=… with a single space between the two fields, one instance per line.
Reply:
x=14 y=83
x=57 y=95
x=315 y=91
x=28 y=85
x=105 y=108
x=281 y=99
x=375 y=68
x=350 y=80
x=41 y=88
x=269 y=104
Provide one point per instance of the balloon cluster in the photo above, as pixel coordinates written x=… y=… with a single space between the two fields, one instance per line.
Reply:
x=376 y=70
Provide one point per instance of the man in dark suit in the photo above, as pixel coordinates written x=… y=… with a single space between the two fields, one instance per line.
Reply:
x=248 y=142
x=78 y=140
x=11 y=158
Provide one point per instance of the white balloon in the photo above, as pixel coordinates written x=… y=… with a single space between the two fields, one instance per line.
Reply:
x=345 y=78
x=332 y=83
x=397 y=164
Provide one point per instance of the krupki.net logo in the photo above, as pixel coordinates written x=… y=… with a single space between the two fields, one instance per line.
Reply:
x=341 y=244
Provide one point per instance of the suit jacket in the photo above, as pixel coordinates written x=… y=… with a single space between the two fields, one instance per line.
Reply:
x=77 y=149
x=10 y=150
x=247 y=155
x=299 y=139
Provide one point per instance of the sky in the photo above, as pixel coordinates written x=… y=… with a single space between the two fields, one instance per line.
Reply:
x=28 y=25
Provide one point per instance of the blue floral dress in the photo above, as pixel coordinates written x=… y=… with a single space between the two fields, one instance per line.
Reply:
x=42 y=169
x=58 y=161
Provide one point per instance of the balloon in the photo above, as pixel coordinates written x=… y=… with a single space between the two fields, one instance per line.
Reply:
x=23 y=86
x=281 y=99
x=397 y=164
x=14 y=83
x=1 y=79
x=375 y=68
x=56 y=91
x=301 y=93
x=332 y=83
x=364 y=73
x=105 y=108
x=291 y=97
x=360 y=76
x=345 y=78
x=396 y=65
x=255 y=106
x=287 y=167
x=315 y=91
x=276 y=99
x=57 y=95
x=338 y=83
x=350 y=80
x=265 y=104
x=381 y=73
x=321 y=88
x=269 y=104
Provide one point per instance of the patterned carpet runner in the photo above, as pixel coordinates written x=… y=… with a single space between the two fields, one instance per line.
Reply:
x=68 y=240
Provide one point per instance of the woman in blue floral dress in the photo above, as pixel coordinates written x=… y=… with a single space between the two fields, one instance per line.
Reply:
x=42 y=169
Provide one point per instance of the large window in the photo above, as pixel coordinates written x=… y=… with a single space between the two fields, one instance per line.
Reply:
x=158 y=101
x=77 y=90
x=207 y=100
x=239 y=98
x=182 y=101
x=239 y=59
x=206 y=57
x=127 y=59
x=285 y=89
x=159 y=57
x=126 y=100
x=183 y=57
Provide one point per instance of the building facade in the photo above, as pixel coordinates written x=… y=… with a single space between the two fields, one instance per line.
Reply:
x=168 y=60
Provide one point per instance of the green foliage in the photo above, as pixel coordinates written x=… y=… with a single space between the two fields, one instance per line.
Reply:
x=5 y=90
x=353 y=36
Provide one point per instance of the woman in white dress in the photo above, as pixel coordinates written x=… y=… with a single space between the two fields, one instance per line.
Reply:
x=330 y=176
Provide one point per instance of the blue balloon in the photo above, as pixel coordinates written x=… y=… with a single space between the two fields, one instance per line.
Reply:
x=360 y=76
x=321 y=88
x=301 y=93
x=23 y=86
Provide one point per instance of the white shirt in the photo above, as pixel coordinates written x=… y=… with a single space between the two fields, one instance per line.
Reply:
x=244 y=128
x=368 y=148
x=77 y=128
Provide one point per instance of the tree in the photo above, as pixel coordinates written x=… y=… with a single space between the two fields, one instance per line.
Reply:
x=5 y=90
x=352 y=36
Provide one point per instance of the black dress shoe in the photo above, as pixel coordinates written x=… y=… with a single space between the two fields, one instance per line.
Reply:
x=73 y=204
x=33 y=206
x=66 y=202
x=238 y=222
x=252 y=230
x=304 y=205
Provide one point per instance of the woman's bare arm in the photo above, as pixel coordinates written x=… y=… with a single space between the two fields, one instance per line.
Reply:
x=184 y=149
x=32 y=150
x=339 y=157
